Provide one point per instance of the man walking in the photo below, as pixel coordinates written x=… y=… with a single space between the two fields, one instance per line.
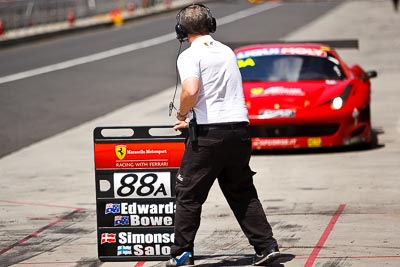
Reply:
x=219 y=145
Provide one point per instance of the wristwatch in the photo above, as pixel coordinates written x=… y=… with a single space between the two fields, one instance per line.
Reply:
x=181 y=117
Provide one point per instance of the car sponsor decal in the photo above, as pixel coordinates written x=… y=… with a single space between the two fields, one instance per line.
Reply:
x=314 y=142
x=256 y=91
x=276 y=91
x=278 y=142
x=248 y=62
x=276 y=51
x=277 y=113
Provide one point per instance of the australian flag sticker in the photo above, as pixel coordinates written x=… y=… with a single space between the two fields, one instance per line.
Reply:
x=121 y=220
x=112 y=208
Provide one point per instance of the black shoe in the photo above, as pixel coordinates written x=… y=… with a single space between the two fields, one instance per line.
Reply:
x=267 y=256
x=185 y=259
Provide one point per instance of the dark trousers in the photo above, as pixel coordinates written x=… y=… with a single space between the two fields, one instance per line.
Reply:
x=223 y=152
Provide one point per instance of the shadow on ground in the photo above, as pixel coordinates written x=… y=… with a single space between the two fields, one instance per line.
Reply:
x=245 y=260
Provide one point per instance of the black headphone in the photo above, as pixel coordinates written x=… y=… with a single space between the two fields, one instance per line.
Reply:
x=181 y=32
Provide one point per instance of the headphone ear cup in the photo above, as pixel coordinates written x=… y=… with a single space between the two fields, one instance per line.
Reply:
x=213 y=25
x=181 y=32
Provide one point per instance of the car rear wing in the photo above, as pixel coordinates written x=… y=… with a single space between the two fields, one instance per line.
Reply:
x=344 y=43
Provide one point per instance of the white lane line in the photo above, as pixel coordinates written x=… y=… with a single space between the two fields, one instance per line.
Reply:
x=128 y=48
x=86 y=59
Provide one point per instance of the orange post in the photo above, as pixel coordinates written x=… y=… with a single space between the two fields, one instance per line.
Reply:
x=71 y=17
x=116 y=17
x=1 y=27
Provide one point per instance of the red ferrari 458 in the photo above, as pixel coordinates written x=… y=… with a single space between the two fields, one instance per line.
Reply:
x=302 y=95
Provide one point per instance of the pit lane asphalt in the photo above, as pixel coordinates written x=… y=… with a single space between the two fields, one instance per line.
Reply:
x=37 y=107
x=334 y=208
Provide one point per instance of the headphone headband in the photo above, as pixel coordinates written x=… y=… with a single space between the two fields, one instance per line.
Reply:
x=181 y=32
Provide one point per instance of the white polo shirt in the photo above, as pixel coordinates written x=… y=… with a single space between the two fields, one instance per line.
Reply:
x=221 y=96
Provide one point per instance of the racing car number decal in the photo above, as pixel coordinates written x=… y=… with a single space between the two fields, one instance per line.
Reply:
x=142 y=185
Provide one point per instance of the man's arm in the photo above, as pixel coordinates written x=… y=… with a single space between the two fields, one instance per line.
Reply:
x=188 y=99
x=189 y=95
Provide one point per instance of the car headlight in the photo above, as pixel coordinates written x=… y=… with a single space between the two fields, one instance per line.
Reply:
x=337 y=103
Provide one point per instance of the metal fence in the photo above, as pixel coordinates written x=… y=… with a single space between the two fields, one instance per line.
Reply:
x=25 y=13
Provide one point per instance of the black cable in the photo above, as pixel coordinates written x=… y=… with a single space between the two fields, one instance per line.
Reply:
x=171 y=104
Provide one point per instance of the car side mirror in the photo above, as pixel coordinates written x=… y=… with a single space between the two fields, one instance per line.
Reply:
x=372 y=74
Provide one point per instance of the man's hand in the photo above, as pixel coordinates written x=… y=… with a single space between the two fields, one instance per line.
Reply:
x=179 y=125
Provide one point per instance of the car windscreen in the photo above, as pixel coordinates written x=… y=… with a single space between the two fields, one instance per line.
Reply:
x=290 y=68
